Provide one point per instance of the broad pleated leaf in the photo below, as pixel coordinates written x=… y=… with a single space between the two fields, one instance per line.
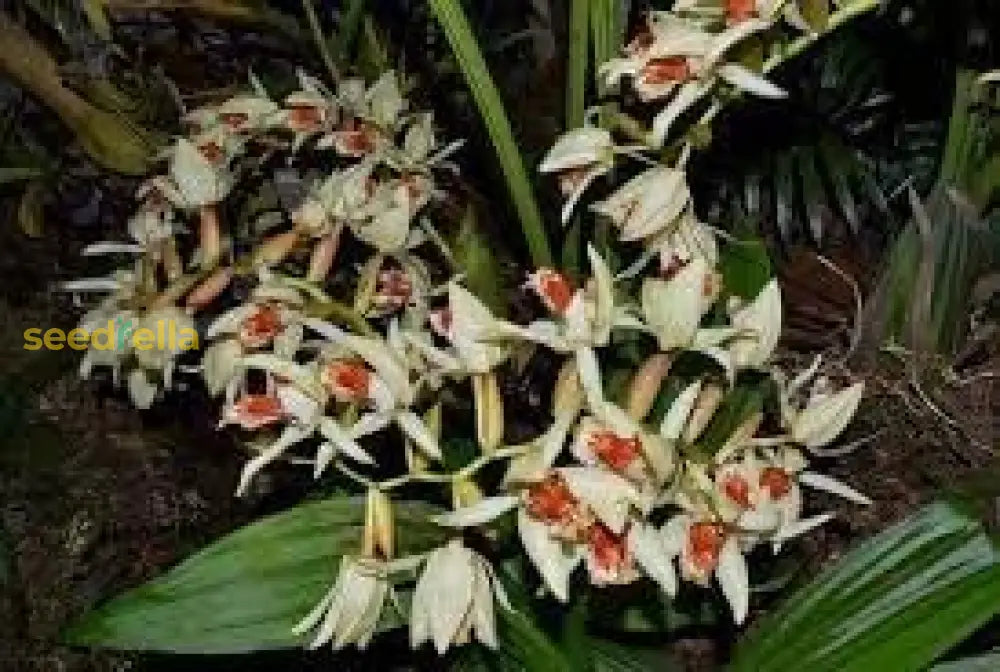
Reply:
x=896 y=602
x=247 y=591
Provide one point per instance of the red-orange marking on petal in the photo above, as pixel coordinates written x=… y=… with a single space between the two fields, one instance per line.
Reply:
x=615 y=451
x=551 y=501
x=608 y=549
x=705 y=543
x=776 y=481
x=664 y=70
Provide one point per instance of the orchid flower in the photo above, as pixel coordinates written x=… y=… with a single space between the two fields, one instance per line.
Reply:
x=678 y=59
x=454 y=599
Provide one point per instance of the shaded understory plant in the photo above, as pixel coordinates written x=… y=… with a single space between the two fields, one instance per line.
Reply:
x=341 y=335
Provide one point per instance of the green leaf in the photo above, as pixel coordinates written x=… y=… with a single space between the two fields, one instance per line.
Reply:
x=987 y=662
x=475 y=255
x=463 y=43
x=576 y=68
x=531 y=646
x=746 y=267
x=607 y=656
x=247 y=591
x=896 y=602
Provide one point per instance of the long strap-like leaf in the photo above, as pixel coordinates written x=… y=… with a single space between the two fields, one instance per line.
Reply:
x=450 y=15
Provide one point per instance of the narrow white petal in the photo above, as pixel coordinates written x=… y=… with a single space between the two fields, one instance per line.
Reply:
x=417 y=431
x=733 y=579
x=651 y=552
x=799 y=527
x=833 y=486
x=749 y=81
x=676 y=418
x=480 y=513
x=550 y=557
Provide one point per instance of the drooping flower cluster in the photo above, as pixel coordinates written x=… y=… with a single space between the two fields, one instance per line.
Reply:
x=346 y=383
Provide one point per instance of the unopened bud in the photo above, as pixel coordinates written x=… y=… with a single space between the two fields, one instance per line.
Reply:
x=380 y=533
x=489 y=411
x=705 y=407
x=646 y=384
x=568 y=393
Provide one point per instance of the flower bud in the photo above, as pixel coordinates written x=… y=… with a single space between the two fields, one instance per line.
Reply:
x=489 y=411
x=209 y=235
x=274 y=249
x=210 y=288
x=379 y=534
x=705 y=407
x=568 y=393
x=646 y=385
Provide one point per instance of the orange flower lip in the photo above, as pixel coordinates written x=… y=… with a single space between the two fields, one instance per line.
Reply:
x=304 y=118
x=551 y=501
x=664 y=70
x=607 y=549
x=738 y=11
x=260 y=328
x=776 y=481
x=617 y=452
x=737 y=489
x=705 y=541
x=347 y=381
x=253 y=411
x=553 y=289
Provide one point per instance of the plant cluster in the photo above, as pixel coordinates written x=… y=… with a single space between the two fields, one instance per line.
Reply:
x=699 y=461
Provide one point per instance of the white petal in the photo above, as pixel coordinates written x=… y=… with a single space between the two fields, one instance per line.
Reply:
x=480 y=513
x=822 y=421
x=417 y=431
x=676 y=418
x=749 y=81
x=651 y=552
x=609 y=495
x=289 y=436
x=554 y=562
x=733 y=579
x=833 y=486
x=799 y=527
x=687 y=95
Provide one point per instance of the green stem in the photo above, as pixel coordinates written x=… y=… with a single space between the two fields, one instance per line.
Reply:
x=463 y=43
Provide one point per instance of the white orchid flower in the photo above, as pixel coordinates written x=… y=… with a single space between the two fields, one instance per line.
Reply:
x=390 y=388
x=674 y=308
x=706 y=548
x=647 y=204
x=468 y=325
x=653 y=556
x=679 y=59
x=823 y=415
x=582 y=323
x=271 y=319
x=579 y=157
x=349 y=613
x=247 y=113
x=453 y=600
x=686 y=240
x=758 y=328
x=198 y=175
